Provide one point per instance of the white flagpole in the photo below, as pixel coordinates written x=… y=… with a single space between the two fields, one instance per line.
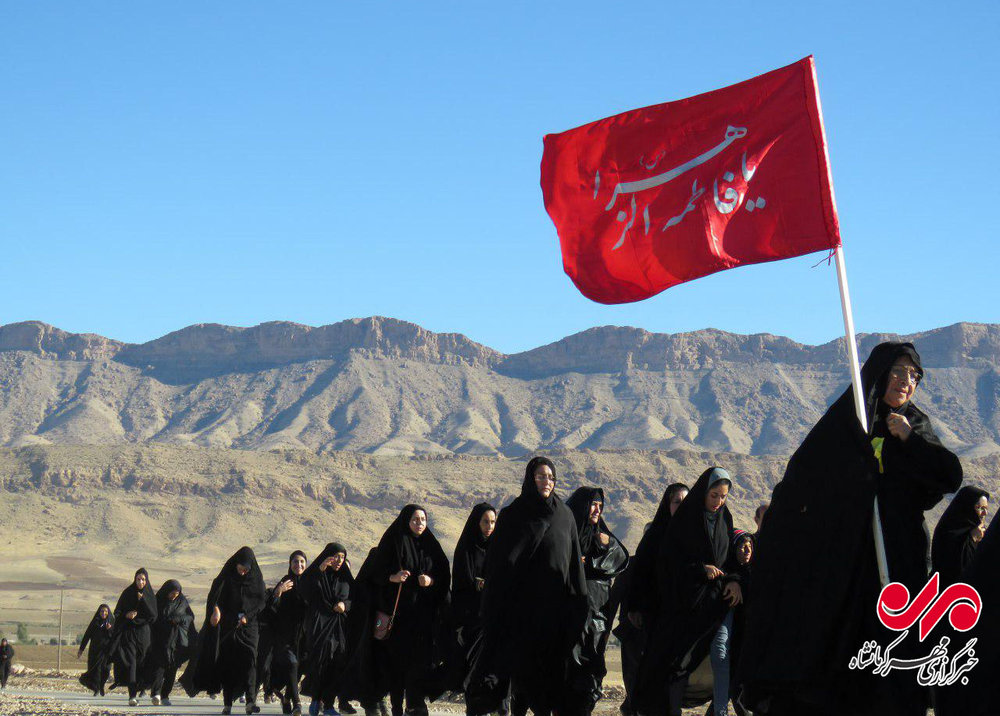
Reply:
x=859 y=402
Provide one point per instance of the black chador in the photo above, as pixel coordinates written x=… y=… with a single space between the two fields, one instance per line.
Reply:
x=285 y=612
x=980 y=694
x=604 y=558
x=815 y=577
x=467 y=584
x=225 y=658
x=173 y=636
x=400 y=664
x=692 y=601
x=636 y=590
x=534 y=604
x=129 y=643
x=954 y=543
x=326 y=588
x=97 y=637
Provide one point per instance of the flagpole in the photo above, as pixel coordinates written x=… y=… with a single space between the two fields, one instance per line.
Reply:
x=859 y=402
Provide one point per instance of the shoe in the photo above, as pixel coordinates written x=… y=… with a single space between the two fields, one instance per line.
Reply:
x=165 y=702
x=133 y=701
x=346 y=708
x=155 y=700
x=252 y=708
x=243 y=699
x=314 y=707
x=226 y=710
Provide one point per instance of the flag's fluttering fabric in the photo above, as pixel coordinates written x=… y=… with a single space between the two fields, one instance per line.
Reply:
x=657 y=196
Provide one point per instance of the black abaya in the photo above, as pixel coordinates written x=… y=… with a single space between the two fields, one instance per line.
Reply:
x=327 y=602
x=823 y=506
x=954 y=547
x=602 y=564
x=286 y=612
x=6 y=660
x=534 y=604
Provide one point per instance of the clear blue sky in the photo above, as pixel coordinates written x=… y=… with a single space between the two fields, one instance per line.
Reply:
x=163 y=164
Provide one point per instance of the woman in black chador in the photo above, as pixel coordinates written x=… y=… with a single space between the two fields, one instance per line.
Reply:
x=958 y=532
x=810 y=614
x=97 y=636
x=636 y=590
x=980 y=695
x=467 y=584
x=173 y=636
x=286 y=611
x=134 y=613
x=604 y=558
x=534 y=603
x=225 y=659
x=698 y=583
x=326 y=590
x=6 y=659
x=408 y=576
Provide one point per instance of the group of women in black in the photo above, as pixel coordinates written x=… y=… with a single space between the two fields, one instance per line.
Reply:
x=521 y=617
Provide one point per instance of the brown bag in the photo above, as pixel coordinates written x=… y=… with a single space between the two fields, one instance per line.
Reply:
x=383 y=621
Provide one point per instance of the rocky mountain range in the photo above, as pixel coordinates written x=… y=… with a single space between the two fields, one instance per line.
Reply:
x=383 y=386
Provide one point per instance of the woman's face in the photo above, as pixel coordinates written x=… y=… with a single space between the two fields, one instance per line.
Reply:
x=297 y=564
x=488 y=522
x=242 y=569
x=338 y=559
x=982 y=508
x=174 y=594
x=902 y=383
x=418 y=522
x=676 y=500
x=140 y=581
x=545 y=480
x=596 y=508
x=716 y=497
x=103 y=613
x=745 y=553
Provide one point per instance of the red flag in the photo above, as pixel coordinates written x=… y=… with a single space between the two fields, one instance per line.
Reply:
x=657 y=196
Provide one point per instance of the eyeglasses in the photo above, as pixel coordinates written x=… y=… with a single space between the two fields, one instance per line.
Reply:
x=907 y=375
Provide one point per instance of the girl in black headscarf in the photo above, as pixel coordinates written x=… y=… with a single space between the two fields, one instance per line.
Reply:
x=604 y=558
x=173 y=636
x=534 y=603
x=958 y=533
x=699 y=584
x=409 y=569
x=287 y=610
x=636 y=590
x=227 y=643
x=134 y=613
x=823 y=506
x=467 y=584
x=6 y=659
x=97 y=636
x=326 y=589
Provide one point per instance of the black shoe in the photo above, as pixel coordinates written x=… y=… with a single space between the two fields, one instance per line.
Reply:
x=226 y=710
x=344 y=706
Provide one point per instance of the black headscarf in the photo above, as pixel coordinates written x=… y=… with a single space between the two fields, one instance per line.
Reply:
x=174 y=633
x=470 y=552
x=643 y=591
x=579 y=504
x=953 y=547
x=400 y=549
x=325 y=631
x=143 y=602
x=324 y=589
